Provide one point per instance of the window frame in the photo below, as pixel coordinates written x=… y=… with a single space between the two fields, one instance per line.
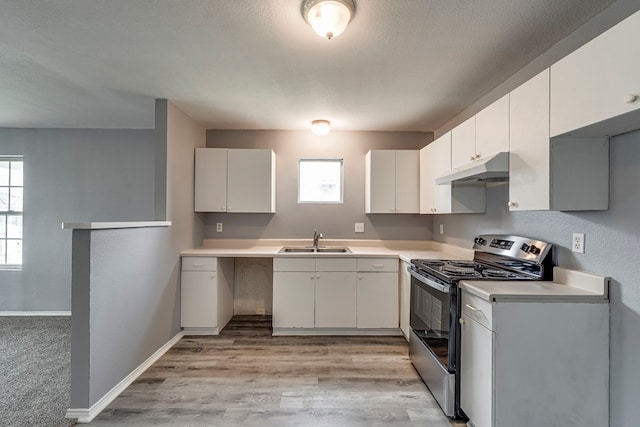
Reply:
x=9 y=212
x=322 y=159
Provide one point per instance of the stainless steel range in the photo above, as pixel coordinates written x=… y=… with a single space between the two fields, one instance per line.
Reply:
x=435 y=305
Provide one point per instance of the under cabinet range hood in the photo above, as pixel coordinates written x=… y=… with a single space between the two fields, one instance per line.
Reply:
x=494 y=168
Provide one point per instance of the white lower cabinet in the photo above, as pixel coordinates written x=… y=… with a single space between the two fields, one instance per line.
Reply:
x=335 y=293
x=534 y=363
x=206 y=294
x=335 y=299
x=405 y=298
x=293 y=299
x=378 y=305
x=378 y=300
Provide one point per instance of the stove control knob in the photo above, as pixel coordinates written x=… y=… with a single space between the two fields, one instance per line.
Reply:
x=524 y=247
x=480 y=241
x=534 y=250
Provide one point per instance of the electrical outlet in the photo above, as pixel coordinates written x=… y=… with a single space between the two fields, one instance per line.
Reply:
x=441 y=228
x=577 y=244
x=219 y=227
x=359 y=227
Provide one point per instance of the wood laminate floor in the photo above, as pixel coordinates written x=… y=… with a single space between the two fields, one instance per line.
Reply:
x=246 y=377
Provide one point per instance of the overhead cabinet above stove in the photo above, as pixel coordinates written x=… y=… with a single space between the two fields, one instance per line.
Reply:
x=235 y=180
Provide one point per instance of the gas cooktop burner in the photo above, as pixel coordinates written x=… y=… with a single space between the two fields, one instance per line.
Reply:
x=466 y=264
x=460 y=271
x=433 y=263
x=492 y=272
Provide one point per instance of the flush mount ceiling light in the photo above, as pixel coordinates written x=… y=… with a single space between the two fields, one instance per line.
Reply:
x=328 y=18
x=320 y=127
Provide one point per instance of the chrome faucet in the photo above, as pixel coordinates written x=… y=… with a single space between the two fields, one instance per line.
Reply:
x=316 y=237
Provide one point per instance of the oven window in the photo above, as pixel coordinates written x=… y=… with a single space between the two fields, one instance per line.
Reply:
x=430 y=319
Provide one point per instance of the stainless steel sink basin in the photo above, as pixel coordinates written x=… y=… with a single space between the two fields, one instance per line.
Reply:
x=335 y=250
x=310 y=250
x=296 y=250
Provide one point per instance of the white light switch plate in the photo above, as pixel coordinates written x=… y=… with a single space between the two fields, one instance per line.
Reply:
x=577 y=244
x=359 y=227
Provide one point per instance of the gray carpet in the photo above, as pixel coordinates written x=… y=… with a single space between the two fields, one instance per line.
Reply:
x=35 y=359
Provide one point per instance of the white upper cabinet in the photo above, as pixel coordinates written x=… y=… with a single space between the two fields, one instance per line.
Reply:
x=392 y=181
x=595 y=91
x=238 y=180
x=492 y=129
x=435 y=160
x=483 y=135
x=251 y=181
x=463 y=143
x=560 y=174
x=211 y=180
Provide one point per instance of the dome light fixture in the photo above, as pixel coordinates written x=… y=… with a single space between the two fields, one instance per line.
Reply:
x=328 y=18
x=320 y=127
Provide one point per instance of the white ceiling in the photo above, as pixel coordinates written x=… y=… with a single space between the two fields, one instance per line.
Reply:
x=401 y=65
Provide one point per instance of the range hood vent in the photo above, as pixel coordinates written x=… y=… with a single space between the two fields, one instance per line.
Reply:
x=490 y=169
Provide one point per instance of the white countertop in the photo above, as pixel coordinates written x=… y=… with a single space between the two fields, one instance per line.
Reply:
x=567 y=286
x=405 y=250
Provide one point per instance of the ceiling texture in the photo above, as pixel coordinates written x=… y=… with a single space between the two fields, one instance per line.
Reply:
x=401 y=65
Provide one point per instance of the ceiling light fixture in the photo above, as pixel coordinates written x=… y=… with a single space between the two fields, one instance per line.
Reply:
x=328 y=18
x=320 y=127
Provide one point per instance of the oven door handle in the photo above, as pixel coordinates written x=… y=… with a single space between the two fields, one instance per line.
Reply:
x=431 y=283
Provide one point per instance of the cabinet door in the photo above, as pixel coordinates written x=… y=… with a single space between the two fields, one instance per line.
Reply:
x=211 y=180
x=476 y=373
x=293 y=299
x=377 y=300
x=335 y=300
x=463 y=143
x=529 y=145
x=492 y=128
x=405 y=298
x=435 y=159
x=590 y=85
x=407 y=181
x=198 y=302
x=251 y=181
x=380 y=191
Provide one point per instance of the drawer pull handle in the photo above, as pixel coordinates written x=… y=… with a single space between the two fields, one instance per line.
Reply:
x=472 y=308
x=195 y=264
x=378 y=265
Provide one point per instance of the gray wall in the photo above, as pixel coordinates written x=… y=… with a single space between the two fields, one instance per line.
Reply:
x=71 y=175
x=612 y=245
x=292 y=220
x=126 y=281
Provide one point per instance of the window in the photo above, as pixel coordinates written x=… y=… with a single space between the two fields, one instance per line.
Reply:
x=11 y=197
x=320 y=181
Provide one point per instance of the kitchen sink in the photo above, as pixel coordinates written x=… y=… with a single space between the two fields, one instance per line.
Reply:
x=310 y=250
x=334 y=250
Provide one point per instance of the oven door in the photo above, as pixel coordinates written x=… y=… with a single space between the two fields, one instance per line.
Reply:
x=433 y=317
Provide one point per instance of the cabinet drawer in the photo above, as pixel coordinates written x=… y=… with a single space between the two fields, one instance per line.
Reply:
x=336 y=264
x=378 y=264
x=478 y=309
x=294 y=264
x=197 y=263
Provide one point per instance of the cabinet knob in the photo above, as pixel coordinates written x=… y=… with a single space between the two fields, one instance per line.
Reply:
x=461 y=321
x=478 y=155
x=630 y=98
x=212 y=276
x=311 y=277
x=435 y=210
x=317 y=276
x=472 y=158
x=359 y=277
x=513 y=204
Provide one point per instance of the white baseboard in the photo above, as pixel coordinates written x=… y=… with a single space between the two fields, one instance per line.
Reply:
x=84 y=415
x=337 y=331
x=35 y=313
x=200 y=331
